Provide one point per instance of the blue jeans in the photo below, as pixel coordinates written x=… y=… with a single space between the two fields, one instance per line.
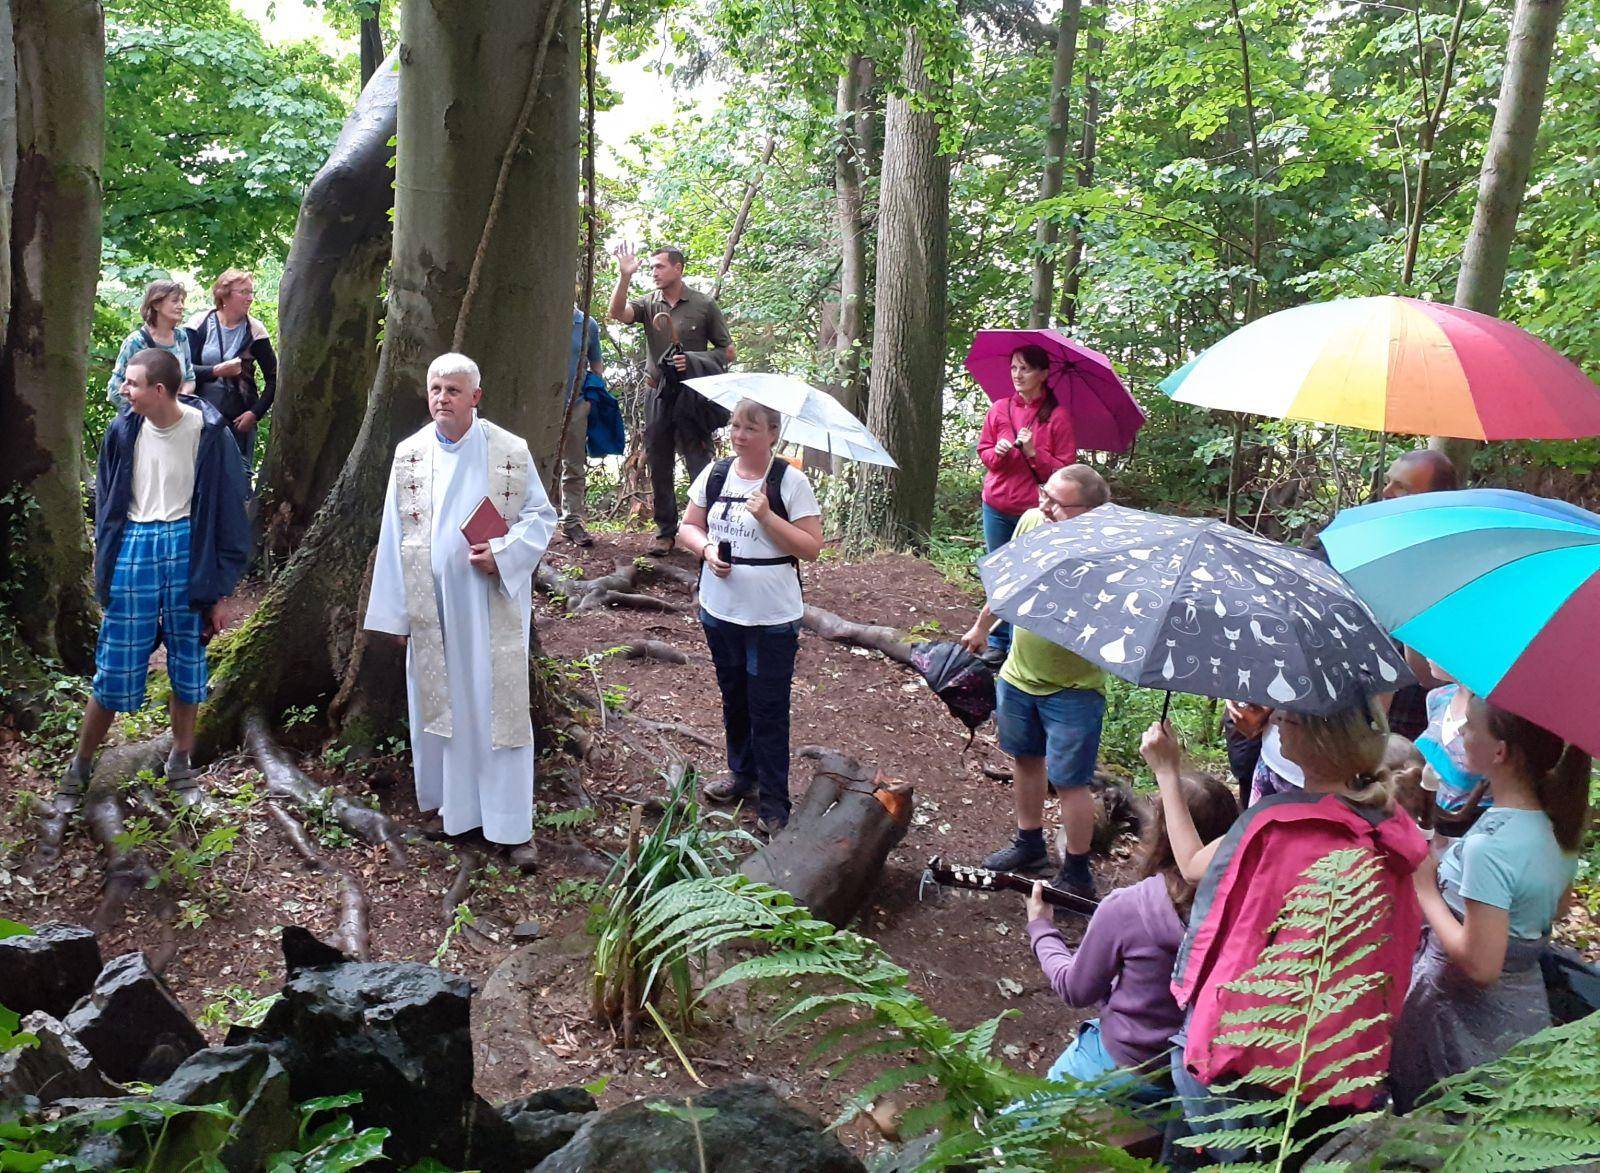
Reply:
x=1087 y=1061
x=997 y=530
x=1061 y=727
x=755 y=667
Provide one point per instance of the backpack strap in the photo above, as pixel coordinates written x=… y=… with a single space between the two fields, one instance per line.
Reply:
x=716 y=482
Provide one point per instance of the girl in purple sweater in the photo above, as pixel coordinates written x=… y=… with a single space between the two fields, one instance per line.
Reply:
x=1126 y=956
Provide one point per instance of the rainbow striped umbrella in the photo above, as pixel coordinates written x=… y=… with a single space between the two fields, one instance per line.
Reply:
x=1395 y=364
x=1500 y=589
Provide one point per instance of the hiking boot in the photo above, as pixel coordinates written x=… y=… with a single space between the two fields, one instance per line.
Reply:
x=662 y=545
x=1018 y=856
x=526 y=857
x=769 y=829
x=727 y=788
x=575 y=533
x=69 y=791
x=1064 y=883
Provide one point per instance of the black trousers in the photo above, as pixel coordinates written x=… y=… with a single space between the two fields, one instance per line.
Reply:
x=668 y=435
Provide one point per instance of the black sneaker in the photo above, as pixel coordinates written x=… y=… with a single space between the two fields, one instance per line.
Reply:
x=1018 y=856
x=1064 y=883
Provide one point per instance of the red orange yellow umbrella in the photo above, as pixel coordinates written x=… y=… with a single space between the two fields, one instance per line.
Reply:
x=1395 y=364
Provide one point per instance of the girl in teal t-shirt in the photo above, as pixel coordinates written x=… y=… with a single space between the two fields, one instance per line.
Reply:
x=1490 y=902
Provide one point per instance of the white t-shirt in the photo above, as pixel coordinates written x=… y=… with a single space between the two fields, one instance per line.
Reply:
x=755 y=596
x=163 y=468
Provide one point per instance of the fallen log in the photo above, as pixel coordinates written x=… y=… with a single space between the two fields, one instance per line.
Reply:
x=353 y=936
x=839 y=835
x=874 y=637
x=284 y=780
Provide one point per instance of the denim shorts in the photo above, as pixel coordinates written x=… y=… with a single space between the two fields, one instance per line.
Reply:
x=1061 y=727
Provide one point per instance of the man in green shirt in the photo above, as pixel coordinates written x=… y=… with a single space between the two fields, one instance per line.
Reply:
x=1051 y=705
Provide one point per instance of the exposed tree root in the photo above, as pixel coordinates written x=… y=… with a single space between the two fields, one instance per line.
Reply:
x=456 y=894
x=353 y=936
x=887 y=640
x=286 y=781
x=616 y=589
x=681 y=730
x=644 y=649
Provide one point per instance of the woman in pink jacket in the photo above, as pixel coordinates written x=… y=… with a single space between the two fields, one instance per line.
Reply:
x=1025 y=438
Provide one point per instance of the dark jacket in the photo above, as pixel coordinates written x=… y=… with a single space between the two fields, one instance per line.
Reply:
x=219 y=531
x=235 y=396
x=684 y=404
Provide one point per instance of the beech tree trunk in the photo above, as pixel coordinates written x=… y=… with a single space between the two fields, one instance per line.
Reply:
x=372 y=56
x=1055 y=161
x=849 y=157
x=329 y=312
x=1507 y=162
x=1072 y=275
x=894 y=508
x=54 y=263
x=8 y=157
x=465 y=68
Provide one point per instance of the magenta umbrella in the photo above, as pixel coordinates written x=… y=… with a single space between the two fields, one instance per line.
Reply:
x=1104 y=416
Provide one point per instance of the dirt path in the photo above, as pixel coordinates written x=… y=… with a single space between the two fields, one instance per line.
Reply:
x=967 y=953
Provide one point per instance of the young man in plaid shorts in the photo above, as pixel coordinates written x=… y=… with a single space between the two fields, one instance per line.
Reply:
x=171 y=539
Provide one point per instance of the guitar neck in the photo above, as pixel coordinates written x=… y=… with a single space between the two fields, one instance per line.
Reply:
x=983 y=880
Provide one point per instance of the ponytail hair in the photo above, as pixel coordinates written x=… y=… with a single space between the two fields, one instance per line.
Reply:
x=1351 y=743
x=1038 y=359
x=1213 y=808
x=1559 y=772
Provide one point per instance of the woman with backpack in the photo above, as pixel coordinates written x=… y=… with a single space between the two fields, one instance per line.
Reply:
x=752 y=518
x=228 y=346
x=1025 y=438
x=1124 y=961
x=161 y=311
x=1478 y=987
x=1244 y=880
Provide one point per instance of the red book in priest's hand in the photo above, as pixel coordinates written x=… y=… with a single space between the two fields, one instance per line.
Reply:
x=484 y=524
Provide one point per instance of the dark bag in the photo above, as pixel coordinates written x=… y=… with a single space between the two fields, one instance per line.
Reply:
x=962 y=681
x=1572 y=984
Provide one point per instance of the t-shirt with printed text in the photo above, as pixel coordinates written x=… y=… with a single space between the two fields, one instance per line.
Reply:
x=755 y=596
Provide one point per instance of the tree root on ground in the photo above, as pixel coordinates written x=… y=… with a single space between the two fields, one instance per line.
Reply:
x=617 y=589
x=887 y=640
x=284 y=780
x=353 y=936
x=642 y=649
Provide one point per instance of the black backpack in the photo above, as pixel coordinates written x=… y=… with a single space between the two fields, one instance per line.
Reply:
x=962 y=681
x=717 y=481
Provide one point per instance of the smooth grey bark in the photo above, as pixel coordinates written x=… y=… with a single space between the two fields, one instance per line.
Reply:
x=1072 y=270
x=894 y=508
x=465 y=66
x=8 y=157
x=1046 y=228
x=1507 y=162
x=329 y=313
x=55 y=263
x=849 y=160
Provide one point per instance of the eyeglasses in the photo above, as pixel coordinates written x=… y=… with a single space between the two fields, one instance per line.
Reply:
x=1057 y=502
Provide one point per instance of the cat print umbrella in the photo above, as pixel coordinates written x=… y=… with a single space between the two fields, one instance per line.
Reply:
x=1193 y=605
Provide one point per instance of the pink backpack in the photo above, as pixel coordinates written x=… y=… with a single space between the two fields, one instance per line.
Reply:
x=1263 y=857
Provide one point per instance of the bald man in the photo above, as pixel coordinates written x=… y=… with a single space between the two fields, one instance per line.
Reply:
x=1421 y=471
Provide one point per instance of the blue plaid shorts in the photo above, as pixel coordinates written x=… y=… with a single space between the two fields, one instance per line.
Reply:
x=150 y=604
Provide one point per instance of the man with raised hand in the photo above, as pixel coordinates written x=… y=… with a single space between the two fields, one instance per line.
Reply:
x=462 y=606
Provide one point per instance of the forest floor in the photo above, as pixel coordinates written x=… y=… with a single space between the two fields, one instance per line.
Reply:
x=967 y=953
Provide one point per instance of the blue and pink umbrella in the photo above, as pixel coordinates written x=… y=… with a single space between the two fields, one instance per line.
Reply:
x=1500 y=589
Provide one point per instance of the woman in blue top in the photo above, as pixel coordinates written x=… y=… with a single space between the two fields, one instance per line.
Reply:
x=161 y=311
x=1477 y=988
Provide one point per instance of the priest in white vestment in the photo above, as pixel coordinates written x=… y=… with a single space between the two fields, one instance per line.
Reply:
x=463 y=611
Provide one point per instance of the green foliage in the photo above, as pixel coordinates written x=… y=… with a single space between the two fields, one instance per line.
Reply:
x=236 y=1006
x=28 y=1142
x=1305 y=978
x=333 y=1146
x=1533 y=1108
x=459 y=920
x=567 y=820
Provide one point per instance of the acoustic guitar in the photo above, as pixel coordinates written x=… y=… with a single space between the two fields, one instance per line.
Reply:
x=955 y=875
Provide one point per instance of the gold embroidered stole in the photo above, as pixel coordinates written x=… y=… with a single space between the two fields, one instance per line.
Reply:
x=509 y=464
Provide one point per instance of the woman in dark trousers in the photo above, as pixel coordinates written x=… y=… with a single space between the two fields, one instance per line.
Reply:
x=752 y=519
x=227 y=345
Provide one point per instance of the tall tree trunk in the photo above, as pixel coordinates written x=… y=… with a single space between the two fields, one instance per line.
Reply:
x=894 y=508
x=465 y=67
x=55 y=263
x=1428 y=131
x=329 y=312
x=371 y=42
x=1507 y=162
x=1072 y=276
x=751 y=187
x=849 y=153
x=1055 y=162
x=8 y=157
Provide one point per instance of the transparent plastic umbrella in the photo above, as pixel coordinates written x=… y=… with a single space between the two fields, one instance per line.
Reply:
x=811 y=416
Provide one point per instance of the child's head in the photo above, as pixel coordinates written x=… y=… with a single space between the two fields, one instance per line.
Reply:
x=1401 y=771
x=1345 y=745
x=1213 y=808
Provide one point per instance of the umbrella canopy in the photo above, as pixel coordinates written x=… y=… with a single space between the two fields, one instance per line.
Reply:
x=1395 y=364
x=1193 y=605
x=1104 y=416
x=1500 y=589
x=810 y=416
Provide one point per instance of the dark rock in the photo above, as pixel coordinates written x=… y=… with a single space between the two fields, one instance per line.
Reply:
x=397 y=1032
x=303 y=951
x=131 y=1023
x=527 y=930
x=55 y=1067
x=253 y=1084
x=538 y=1134
x=48 y=969
x=750 y=1130
x=555 y=1099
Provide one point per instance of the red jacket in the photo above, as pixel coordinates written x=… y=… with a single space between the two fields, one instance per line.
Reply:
x=1012 y=484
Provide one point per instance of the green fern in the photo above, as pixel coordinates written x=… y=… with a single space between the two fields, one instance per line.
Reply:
x=1536 y=1107
x=1305 y=979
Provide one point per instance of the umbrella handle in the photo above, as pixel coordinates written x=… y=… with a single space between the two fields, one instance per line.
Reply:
x=1166 y=705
